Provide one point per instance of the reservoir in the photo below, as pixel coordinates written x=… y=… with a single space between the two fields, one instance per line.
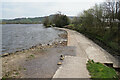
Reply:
x=16 y=37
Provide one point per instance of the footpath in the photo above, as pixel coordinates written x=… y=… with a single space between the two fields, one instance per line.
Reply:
x=75 y=66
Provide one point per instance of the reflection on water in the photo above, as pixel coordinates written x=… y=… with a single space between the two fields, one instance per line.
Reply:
x=21 y=36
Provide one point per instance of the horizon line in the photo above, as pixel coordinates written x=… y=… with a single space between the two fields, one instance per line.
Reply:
x=34 y=17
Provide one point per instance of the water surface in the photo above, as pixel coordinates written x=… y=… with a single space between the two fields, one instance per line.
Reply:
x=21 y=36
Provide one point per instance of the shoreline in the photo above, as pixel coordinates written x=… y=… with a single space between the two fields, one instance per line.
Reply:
x=13 y=63
x=63 y=41
x=40 y=46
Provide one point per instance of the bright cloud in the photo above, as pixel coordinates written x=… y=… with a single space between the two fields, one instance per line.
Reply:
x=52 y=0
x=15 y=8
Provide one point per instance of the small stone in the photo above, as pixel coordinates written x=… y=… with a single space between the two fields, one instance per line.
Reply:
x=6 y=62
x=50 y=44
x=43 y=44
x=60 y=42
x=59 y=63
x=14 y=72
x=5 y=54
x=61 y=58
x=32 y=49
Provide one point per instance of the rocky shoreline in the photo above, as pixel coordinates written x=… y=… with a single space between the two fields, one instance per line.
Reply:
x=61 y=42
x=11 y=62
x=40 y=46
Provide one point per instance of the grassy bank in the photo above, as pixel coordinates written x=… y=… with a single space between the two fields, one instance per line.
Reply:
x=100 y=71
x=107 y=39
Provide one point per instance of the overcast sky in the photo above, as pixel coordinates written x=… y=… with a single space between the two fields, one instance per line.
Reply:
x=37 y=8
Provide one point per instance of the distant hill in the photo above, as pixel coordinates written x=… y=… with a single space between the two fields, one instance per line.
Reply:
x=36 y=20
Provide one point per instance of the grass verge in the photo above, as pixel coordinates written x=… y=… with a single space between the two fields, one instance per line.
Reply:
x=106 y=39
x=100 y=71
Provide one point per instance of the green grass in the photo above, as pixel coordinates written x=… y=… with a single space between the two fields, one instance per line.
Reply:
x=98 y=70
x=107 y=39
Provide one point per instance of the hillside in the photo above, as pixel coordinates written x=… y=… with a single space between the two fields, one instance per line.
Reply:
x=36 y=20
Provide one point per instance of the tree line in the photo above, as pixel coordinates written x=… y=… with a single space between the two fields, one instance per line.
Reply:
x=101 y=23
x=58 y=20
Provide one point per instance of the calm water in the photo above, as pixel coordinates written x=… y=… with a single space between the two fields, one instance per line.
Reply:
x=21 y=36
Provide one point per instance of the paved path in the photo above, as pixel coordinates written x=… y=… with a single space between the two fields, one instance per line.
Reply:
x=75 y=66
